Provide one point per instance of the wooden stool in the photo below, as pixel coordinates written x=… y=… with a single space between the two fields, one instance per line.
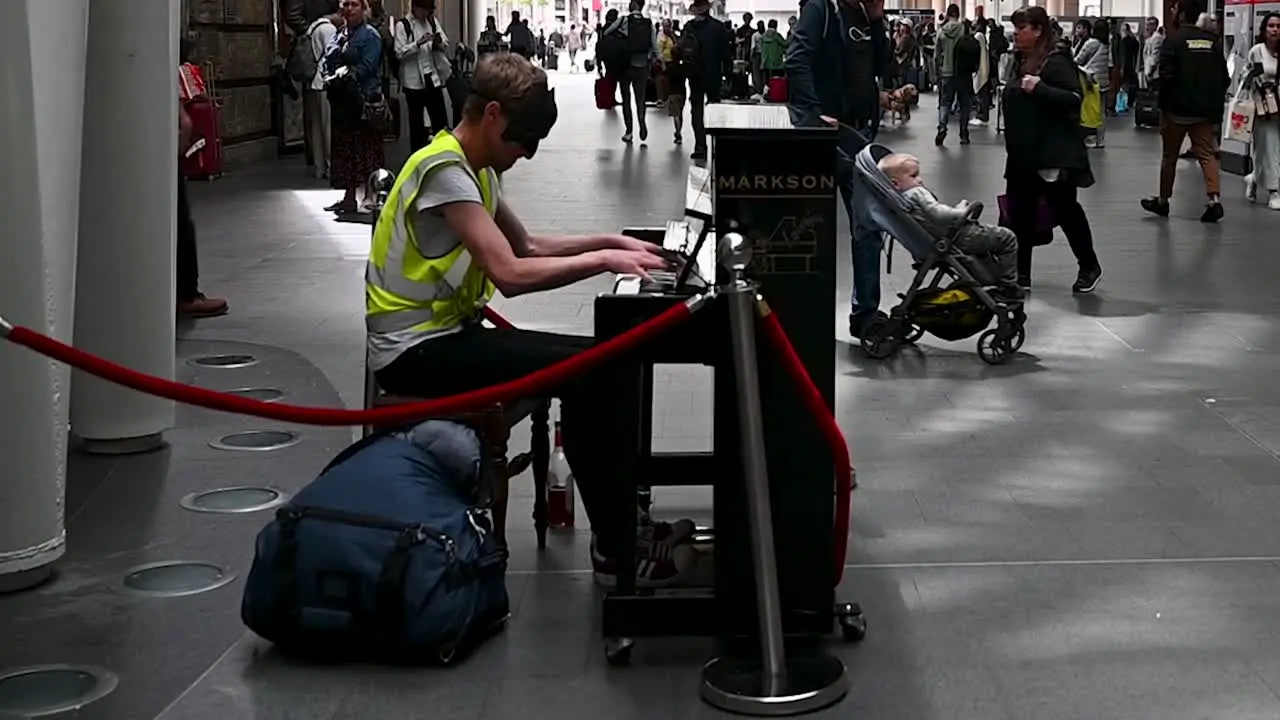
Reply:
x=493 y=424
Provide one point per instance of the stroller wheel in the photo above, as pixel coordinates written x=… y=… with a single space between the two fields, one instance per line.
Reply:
x=914 y=333
x=878 y=339
x=1018 y=337
x=994 y=349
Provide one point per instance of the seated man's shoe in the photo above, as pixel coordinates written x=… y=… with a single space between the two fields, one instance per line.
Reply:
x=658 y=564
x=201 y=306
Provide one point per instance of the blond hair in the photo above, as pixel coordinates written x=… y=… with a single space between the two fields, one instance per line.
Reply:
x=505 y=78
x=895 y=164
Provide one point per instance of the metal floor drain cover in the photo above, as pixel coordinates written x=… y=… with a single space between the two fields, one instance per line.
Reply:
x=223 y=361
x=256 y=440
x=234 y=500
x=175 y=579
x=52 y=689
x=262 y=394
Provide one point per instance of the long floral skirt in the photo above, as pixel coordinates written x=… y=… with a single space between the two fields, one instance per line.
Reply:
x=354 y=155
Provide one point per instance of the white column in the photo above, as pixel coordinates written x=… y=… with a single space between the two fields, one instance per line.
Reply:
x=475 y=11
x=128 y=199
x=43 y=55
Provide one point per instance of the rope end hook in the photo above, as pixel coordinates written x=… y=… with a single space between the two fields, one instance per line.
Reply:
x=5 y=328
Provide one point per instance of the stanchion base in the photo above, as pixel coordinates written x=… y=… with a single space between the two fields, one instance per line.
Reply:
x=122 y=446
x=25 y=579
x=737 y=686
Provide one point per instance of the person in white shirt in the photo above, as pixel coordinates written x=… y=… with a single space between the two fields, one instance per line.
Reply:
x=1151 y=51
x=422 y=48
x=315 y=105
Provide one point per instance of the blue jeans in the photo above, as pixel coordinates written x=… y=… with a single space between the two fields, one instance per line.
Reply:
x=868 y=242
x=960 y=91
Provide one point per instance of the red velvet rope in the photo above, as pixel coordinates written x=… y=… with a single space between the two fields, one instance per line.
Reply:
x=531 y=385
x=826 y=425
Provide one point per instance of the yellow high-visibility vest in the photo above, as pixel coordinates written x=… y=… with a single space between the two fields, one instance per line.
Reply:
x=411 y=284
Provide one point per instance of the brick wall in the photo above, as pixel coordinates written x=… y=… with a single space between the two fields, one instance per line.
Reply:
x=234 y=41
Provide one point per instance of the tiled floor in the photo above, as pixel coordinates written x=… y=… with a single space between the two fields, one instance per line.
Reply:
x=1087 y=532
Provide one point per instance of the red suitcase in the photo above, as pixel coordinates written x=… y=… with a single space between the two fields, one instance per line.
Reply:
x=203 y=162
x=776 y=90
x=606 y=89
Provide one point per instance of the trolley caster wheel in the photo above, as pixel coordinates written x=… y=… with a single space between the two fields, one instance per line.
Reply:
x=878 y=340
x=617 y=651
x=992 y=348
x=853 y=624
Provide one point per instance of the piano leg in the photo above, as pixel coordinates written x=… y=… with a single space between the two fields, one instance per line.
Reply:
x=644 y=491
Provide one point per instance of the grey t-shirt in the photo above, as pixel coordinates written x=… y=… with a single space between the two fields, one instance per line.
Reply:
x=447 y=185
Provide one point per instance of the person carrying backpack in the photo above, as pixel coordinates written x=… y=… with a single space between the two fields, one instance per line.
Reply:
x=641 y=46
x=704 y=52
x=303 y=66
x=966 y=58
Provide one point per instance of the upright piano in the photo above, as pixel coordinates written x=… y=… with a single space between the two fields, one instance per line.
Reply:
x=775 y=185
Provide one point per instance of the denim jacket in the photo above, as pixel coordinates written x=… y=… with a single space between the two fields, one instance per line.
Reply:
x=816 y=64
x=359 y=48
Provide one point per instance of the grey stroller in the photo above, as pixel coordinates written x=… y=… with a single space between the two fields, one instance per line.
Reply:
x=948 y=297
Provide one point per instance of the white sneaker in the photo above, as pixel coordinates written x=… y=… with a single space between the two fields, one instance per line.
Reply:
x=977 y=123
x=1250 y=188
x=1274 y=202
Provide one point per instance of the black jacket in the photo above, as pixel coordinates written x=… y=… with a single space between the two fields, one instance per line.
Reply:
x=816 y=65
x=1193 y=75
x=1042 y=127
x=714 y=61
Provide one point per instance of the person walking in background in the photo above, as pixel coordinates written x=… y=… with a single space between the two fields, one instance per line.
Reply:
x=519 y=36
x=1265 y=149
x=951 y=90
x=773 y=52
x=705 y=57
x=641 y=39
x=1192 y=90
x=422 y=48
x=1093 y=54
x=574 y=44
x=1045 y=158
x=1151 y=51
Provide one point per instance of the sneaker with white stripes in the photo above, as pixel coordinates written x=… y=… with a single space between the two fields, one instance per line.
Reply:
x=658 y=564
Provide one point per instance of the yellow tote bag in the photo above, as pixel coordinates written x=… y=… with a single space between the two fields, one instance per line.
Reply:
x=1091 y=106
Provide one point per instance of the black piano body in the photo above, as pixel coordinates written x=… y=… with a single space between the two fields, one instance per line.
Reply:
x=776 y=185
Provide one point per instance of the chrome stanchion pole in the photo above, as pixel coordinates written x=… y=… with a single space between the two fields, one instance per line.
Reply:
x=380 y=183
x=772 y=685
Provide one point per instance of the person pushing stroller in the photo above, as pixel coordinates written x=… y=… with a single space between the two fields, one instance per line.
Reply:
x=996 y=247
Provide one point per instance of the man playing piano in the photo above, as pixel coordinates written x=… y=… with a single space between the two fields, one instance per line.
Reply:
x=444 y=242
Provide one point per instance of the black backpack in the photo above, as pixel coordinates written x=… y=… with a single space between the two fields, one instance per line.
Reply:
x=688 y=49
x=639 y=35
x=968 y=54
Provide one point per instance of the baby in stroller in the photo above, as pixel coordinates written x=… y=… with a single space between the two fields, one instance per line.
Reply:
x=996 y=247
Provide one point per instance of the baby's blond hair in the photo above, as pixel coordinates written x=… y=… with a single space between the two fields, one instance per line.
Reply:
x=896 y=164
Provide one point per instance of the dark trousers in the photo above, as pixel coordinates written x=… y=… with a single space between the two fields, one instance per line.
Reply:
x=430 y=100
x=700 y=95
x=958 y=90
x=632 y=82
x=1023 y=196
x=188 y=267
x=982 y=105
x=478 y=357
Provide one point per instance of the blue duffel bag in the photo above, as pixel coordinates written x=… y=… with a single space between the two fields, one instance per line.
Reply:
x=389 y=555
